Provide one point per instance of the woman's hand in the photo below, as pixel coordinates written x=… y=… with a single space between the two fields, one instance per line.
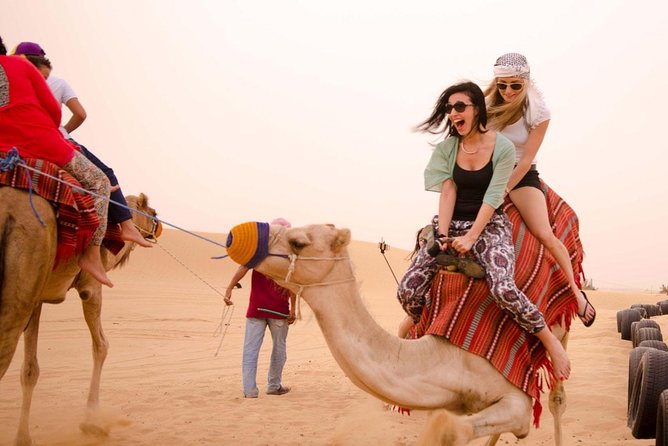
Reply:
x=463 y=244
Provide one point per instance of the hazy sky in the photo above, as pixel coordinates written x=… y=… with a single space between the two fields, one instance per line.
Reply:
x=228 y=111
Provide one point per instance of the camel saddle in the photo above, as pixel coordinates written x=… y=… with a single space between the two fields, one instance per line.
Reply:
x=75 y=211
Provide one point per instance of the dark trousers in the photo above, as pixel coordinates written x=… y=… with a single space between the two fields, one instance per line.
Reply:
x=117 y=214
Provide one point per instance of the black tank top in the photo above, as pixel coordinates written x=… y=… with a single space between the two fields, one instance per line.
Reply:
x=471 y=188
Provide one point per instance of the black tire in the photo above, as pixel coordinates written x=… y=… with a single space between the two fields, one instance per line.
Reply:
x=619 y=322
x=663 y=306
x=641 y=308
x=643 y=323
x=651 y=379
x=659 y=345
x=634 y=361
x=649 y=334
x=652 y=310
x=629 y=316
x=662 y=420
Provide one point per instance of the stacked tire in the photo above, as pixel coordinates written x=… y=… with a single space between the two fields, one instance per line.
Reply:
x=648 y=371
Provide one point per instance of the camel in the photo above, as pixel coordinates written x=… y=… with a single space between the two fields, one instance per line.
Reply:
x=27 y=280
x=471 y=399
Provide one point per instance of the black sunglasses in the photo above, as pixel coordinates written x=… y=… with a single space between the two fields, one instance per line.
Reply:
x=515 y=86
x=458 y=106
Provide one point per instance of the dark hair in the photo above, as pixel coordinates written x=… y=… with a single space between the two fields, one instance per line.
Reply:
x=39 y=61
x=433 y=123
x=3 y=50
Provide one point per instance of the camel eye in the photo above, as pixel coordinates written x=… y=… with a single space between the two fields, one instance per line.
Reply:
x=298 y=245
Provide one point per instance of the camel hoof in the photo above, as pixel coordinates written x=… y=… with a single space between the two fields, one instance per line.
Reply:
x=24 y=440
x=94 y=430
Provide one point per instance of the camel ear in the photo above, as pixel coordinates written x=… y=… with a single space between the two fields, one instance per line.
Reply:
x=142 y=201
x=342 y=239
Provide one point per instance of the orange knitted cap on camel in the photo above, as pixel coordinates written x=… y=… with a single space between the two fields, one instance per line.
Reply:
x=248 y=243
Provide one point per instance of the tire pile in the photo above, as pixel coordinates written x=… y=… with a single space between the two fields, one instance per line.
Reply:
x=648 y=371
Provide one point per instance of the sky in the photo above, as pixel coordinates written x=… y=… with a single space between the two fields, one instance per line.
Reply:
x=229 y=111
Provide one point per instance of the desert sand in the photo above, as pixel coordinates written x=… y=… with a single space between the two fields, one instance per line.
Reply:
x=170 y=380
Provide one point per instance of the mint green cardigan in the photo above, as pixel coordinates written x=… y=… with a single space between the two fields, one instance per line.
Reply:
x=443 y=159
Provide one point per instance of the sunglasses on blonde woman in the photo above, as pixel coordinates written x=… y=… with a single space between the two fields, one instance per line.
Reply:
x=458 y=106
x=515 y=86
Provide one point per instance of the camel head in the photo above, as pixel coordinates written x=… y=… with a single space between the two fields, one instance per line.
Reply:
x=150 y=229
x=293 y=257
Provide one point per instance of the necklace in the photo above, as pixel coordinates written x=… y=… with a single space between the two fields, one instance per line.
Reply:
x=472 y=152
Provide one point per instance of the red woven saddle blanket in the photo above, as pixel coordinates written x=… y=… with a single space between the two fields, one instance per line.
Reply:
x=75 y=212
x=463 y=311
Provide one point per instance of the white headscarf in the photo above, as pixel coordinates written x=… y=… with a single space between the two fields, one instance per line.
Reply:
x=516 y=65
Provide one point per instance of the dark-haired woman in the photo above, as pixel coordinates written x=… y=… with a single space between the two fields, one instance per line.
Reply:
x=470 y=170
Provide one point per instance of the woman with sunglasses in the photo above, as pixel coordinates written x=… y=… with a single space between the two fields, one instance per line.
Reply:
x=470 y=169
x=516 y=109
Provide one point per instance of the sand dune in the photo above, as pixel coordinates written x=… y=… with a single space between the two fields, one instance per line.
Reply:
x=163 y=383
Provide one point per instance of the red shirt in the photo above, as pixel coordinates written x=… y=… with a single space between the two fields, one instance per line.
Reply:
x=29 y=114
x=266 y=294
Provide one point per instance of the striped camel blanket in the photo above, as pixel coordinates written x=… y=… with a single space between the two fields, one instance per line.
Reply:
x=462 y=310
x=76 y=217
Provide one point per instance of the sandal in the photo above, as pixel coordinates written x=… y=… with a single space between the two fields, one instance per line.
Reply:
x=585 y=322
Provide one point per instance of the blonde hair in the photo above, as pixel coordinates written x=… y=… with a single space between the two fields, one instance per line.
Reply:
x=501 y=114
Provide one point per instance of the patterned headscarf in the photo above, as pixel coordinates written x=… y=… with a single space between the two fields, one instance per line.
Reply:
x=512 y=65
x=516 y=65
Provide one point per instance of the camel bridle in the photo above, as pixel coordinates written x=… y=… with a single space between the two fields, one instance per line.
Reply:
x=293 y=264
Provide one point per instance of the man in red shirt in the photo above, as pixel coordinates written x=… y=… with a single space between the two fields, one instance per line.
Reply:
x=269 y=305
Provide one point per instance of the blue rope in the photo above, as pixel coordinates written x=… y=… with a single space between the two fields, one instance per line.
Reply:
x=80 y=189
x=9 y=163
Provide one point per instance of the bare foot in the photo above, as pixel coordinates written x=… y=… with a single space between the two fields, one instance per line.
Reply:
x=560 y=362
x=405 y=327
x=91 y=262
x=561 y=365
x=129 y=233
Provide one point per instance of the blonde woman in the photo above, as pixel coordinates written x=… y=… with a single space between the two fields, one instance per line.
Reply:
x=517 y=109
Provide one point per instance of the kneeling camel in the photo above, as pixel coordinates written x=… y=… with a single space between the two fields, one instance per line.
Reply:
x=471 y=398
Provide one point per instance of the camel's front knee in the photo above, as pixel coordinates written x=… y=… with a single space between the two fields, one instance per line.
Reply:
x=558 y=400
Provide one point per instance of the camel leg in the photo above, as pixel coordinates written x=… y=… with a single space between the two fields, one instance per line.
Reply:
x=491 y=441
x=558 y=403
x=91 y=300
x=510 y=414
x=29 y=376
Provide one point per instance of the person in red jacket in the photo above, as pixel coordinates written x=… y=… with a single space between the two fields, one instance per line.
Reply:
x=29 y=120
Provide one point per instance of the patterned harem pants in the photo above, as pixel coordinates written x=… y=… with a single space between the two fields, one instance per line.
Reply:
x=494 y=251
x=92 y=179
